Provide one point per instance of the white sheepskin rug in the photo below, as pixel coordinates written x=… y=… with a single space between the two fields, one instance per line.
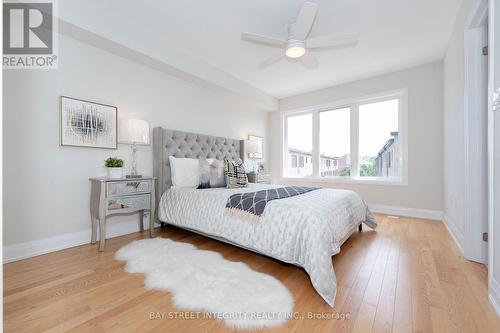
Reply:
x=204 y=281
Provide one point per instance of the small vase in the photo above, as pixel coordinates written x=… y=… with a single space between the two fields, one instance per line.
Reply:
x=115 y=173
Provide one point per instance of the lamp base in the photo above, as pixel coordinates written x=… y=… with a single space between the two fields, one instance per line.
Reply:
x=133 y=176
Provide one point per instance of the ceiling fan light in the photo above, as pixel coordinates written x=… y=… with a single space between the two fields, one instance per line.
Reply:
x=295 y=52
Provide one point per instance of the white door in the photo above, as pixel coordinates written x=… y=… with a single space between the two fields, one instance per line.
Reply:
x=475 y=129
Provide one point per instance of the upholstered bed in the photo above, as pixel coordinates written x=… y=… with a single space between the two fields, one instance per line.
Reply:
x=305 y=230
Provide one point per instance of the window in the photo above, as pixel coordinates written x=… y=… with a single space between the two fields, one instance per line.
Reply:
x=335 y=142
x=379 y=139
x=299 y=145
x=361 y=140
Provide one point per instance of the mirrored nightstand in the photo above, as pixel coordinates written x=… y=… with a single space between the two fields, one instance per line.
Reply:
x=261 y=177
x=120 y=196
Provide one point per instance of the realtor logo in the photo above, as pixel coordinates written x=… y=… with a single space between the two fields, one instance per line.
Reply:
x=29 y=37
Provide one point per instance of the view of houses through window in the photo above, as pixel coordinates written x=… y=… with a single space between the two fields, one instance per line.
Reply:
x=300 y=145
x=378 y=142
x=379 y=139
x=335 y=142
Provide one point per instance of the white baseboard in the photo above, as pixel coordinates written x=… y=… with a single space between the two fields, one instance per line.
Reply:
x=410 y=212
x=42 y=246
x=494 y=296
x=457 y=236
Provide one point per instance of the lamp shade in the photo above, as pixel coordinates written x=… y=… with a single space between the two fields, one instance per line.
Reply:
x=251 y=147
x=133 y=131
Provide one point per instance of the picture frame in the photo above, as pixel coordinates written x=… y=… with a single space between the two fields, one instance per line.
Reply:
x=87 y=124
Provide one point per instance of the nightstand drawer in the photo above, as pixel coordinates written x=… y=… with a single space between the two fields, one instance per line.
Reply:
x=128 y=203
x=263 y=177
x=128 y=187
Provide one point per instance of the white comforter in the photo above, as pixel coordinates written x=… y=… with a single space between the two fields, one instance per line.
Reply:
x=305 y=230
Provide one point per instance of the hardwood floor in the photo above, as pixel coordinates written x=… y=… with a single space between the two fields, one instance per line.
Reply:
x=407 y=276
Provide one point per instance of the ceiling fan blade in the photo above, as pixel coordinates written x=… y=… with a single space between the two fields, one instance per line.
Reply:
x=309 y=60
x=261 y=39
x=271 y=61
x=301 y=28
x=339 y=40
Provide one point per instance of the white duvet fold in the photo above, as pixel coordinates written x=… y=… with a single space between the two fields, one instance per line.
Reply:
x=305 y=230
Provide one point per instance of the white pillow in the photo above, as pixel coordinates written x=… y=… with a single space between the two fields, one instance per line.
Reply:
x=185 y=172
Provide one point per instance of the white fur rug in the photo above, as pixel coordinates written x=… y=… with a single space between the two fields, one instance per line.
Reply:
x=205 y=281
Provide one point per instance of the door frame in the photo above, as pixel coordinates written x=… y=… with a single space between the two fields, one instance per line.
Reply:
x=493 y=285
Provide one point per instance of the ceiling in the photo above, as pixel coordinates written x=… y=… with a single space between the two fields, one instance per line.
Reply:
x=394 y=34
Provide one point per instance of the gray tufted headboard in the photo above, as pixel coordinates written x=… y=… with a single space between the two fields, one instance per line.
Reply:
x=182 y=144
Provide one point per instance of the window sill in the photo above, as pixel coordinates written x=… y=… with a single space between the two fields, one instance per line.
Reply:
x=349 y=180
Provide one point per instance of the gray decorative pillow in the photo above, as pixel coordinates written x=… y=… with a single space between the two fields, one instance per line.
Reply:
x=217 y=175
x=204 y=174
x=235 y=174
x=211 y=173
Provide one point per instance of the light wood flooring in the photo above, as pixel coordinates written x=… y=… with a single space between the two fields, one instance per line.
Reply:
x=405 y=276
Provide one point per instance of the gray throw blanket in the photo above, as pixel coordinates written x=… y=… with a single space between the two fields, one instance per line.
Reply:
x=243 y=204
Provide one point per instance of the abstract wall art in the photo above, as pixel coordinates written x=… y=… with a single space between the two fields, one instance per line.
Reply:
x=87 y=124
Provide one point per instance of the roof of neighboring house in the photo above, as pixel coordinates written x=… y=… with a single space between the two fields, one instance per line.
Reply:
x=298 y=151
x=389 y=143
x=308 y=153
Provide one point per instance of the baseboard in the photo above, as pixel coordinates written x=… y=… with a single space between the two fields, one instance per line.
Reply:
x=494 y=296
x=457 y=236
x=410 y=212
x=42 y=246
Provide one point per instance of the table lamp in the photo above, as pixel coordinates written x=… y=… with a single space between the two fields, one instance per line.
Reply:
x=252 y=148
x=133 y=132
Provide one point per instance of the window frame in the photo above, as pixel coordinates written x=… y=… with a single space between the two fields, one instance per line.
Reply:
x=353 y=104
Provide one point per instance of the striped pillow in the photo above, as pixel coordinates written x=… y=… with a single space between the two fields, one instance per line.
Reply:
x=235 y=174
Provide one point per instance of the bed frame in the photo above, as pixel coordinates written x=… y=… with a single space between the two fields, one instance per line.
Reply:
x=180 y=144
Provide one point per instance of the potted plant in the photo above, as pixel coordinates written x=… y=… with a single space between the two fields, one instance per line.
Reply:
x=115 y=167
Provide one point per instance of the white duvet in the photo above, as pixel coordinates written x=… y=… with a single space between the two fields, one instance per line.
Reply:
x=305 y=230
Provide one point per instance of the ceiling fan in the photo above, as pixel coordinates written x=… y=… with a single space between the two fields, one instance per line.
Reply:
x=297 y=45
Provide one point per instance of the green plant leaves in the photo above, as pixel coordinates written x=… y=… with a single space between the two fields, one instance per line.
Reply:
x=113 y=162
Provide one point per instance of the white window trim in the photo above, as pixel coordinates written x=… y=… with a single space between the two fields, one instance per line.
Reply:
x=353 y=103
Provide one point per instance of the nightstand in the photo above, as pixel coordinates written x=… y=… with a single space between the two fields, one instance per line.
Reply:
x=261 y=177
x=120 y=196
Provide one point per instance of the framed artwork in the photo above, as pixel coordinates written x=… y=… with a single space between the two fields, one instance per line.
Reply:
x=259 y=140
x=87 y=124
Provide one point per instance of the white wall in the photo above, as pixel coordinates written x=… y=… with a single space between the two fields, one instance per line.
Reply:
x=425 y=141
x=46 y=187
x=454 y=154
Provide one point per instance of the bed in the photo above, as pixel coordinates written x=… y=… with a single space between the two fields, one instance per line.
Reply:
x=305 y=230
